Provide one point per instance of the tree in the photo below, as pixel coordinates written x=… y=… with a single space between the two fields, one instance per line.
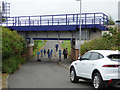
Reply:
x=110 y=22
x=109 y=41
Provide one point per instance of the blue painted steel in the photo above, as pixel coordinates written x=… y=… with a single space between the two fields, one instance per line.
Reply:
x=55 y=27
x=51 y=38
x=57 y=22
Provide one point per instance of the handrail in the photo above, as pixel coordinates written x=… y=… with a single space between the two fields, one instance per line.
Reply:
x=61 y=19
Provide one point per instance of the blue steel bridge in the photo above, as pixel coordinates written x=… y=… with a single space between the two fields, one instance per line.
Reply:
x=59 y=27
x=62 y=22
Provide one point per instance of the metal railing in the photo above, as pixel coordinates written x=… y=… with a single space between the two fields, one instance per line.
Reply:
x=63 y=19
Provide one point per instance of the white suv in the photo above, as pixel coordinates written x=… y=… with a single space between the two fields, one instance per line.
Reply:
x=102 y=67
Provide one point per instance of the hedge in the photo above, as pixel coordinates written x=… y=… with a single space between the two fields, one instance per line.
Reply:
x=12 y=44
x=12 y=64
x=13 y=47
x=109 y=41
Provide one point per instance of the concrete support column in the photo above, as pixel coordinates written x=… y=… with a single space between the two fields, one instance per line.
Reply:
x=74 y=50
x=30 y=45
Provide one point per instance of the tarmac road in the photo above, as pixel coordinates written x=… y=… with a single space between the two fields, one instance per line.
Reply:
x=45 y=74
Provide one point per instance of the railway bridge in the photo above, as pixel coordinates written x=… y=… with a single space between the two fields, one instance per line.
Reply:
x=59 y=27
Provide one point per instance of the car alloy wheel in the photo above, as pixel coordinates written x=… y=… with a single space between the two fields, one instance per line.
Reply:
x=72 y=75
x=97 y=81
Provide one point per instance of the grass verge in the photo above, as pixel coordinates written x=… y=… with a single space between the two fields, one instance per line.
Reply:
x=67 y=44
x=39 y=45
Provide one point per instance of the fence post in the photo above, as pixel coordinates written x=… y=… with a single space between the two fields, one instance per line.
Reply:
x=103 y=19
x=40 y=20
x=48 y=22
x=18 y=21
x=29 y=20
x=52 y=20
x=77 y=20
x=94 y=18
x=33 y=23
x=85 y=19
x=66 y=19
x=73 y=18
x=58 y=22
x=15 y=20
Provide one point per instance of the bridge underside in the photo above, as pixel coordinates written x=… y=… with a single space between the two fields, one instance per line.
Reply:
x=56 y=27
x=87 y=34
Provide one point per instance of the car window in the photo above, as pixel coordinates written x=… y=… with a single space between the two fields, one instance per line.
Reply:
x=94 y=56
x=100 y=56
x=86 y=56
x=114 y=57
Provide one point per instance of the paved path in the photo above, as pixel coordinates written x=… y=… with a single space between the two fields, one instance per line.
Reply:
x=44 y=74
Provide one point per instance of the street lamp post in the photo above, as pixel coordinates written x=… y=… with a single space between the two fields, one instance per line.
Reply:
x=80 y=29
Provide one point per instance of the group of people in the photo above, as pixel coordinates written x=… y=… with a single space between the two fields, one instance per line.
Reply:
x=65 y=53
x=49 y=52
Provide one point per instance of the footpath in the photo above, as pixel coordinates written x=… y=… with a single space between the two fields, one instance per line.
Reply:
x=55 y=56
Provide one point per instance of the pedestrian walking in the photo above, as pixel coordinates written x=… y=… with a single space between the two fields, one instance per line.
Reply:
x=64 y=53
x=48 y=52
x=44 y=51
x=56 y=46
x=51 y=52
x=60 y=55
x=38 y=58
x=41 y=52
x=50 y=55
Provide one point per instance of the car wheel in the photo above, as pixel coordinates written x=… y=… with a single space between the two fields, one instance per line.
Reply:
x=73 y=77
x=97 y=81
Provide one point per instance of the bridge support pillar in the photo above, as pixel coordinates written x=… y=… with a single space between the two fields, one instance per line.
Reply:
x=74 y=50
x=30 y=45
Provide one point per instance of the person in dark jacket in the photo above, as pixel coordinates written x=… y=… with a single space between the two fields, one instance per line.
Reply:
x=56 y=46
x=64 y=53
x=48 y=53
x=44 y=51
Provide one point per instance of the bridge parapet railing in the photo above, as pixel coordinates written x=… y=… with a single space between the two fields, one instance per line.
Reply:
x=63 y=19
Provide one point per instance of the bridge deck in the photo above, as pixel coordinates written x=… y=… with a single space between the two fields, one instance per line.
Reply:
x=57 y=22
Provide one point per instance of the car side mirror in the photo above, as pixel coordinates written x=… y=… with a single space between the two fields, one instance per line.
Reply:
x=79 y=58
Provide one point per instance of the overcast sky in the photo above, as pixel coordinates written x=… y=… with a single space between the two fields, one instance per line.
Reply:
x=46 y=7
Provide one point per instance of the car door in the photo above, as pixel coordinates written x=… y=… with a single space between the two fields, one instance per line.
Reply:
x=80 y=64
x=89 y=64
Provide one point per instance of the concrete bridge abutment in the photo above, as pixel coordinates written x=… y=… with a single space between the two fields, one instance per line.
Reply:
x=30 y=45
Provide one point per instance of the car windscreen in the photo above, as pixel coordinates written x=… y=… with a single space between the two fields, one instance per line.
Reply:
x=114 y=57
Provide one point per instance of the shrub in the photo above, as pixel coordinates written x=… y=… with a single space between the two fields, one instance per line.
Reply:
x=12 y=44
x=106 y=42
x=12 y=64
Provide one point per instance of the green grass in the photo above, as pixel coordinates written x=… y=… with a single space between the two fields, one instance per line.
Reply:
x=68 y=46
x=4 y=80
x=40 y=45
